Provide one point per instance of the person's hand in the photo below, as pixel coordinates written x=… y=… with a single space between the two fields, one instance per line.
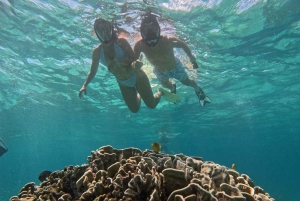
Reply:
x=138 y=64
x=195 y=65
x=83 y=89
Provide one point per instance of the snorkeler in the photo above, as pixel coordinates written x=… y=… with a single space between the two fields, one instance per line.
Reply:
x=117 y=55
x=159 y=51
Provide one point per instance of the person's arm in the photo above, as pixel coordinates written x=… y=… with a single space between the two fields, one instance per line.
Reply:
x=93 y=70
x=177 y=43
x=137 y=49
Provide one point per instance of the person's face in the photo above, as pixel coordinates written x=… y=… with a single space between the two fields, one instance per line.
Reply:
x=104 y=32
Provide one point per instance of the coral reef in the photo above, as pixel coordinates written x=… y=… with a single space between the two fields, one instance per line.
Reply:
x=132 y=175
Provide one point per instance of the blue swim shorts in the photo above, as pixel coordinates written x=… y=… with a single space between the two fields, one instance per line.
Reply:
x=178 y=73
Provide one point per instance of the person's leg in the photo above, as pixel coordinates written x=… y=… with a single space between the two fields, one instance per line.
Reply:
x=131 y=98
x=164 y=79
x=189 y=82
x=144 y=89
x=203 y=99
x=168 y=84
x=182 y=76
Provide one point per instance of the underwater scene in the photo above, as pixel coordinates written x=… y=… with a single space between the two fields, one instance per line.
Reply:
x=236 y=138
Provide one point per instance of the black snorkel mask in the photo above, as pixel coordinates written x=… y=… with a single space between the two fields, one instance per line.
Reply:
x=102 y=33
x=150 y=30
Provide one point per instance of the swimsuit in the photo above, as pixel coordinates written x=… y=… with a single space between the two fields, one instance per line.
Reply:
x=178 y=73
x=129 y=82
x=118 y=52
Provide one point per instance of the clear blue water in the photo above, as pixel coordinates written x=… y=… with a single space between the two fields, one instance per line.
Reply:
x=248 y=52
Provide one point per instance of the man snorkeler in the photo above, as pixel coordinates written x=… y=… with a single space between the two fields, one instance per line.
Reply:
x=158 y=49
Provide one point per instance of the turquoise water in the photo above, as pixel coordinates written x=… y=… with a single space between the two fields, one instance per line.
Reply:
x=248 y=52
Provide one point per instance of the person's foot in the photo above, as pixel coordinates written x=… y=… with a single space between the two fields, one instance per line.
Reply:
x=174 y=92
x=203 y=99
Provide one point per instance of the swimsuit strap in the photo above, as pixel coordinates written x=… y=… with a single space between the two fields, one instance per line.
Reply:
x=119 y=51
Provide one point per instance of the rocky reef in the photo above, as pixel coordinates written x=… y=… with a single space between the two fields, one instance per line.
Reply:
x=134 y=175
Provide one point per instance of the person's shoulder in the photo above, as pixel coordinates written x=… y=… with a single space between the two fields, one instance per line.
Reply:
x=170 y=38
x=122 y=41
x=96 y=51
x=140 y=44
x=97 y=48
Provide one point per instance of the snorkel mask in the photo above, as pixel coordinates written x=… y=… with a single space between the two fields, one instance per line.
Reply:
x=104 y=30
x=150 y=30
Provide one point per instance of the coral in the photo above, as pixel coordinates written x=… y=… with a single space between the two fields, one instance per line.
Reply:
x=132 y=175
x=219 y=176
x=194 y=190
x=173 y=179
x=65 y=197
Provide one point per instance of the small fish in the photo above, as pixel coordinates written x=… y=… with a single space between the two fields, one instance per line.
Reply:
x=233 y=166
x=43 y=176
x=156 y=147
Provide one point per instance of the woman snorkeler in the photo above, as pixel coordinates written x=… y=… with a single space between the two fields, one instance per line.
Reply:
x=117 y=55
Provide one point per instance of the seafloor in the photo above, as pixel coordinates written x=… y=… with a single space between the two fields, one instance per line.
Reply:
x=134 y=175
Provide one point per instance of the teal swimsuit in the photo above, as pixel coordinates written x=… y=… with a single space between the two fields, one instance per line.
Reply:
x=129 y=82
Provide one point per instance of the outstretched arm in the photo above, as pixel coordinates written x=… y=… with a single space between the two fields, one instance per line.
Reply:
x=177 y=43
x=92 y=72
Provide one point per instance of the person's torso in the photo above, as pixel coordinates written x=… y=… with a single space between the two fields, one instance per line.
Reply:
x=107 y=56
x=162 y=55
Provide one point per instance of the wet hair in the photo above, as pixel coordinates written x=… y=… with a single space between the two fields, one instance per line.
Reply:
x=99 y=21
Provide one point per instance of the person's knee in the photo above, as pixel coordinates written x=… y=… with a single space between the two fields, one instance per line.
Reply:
x=166 y=84
x=189 y=82
x=134 y=110
x=151 y=105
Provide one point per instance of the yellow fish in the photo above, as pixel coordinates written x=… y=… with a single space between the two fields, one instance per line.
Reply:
x=233 y=166
x=156 y=147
